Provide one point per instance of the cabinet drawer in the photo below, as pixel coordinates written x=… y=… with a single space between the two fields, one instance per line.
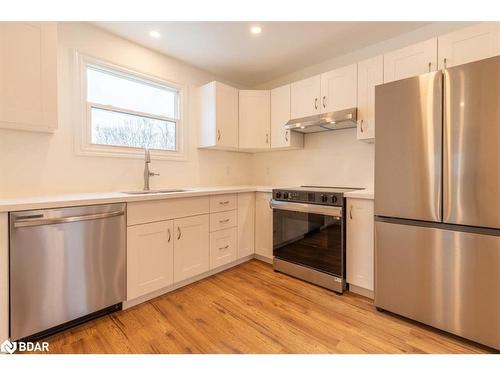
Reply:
x=223 y=202
x=165 y=209
x=223 y=220
x=223 y=247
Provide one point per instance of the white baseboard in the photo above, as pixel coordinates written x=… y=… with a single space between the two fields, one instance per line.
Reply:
x=157 y=293
x=362 y=291
x=263 y=258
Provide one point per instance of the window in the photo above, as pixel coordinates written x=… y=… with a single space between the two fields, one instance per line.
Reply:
x=125 y=112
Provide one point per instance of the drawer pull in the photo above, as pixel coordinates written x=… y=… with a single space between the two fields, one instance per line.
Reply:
x=223 y=221
x=224 y=248
x=225 y=202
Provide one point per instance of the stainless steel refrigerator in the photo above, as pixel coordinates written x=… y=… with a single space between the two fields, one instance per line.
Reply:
x=437 y=199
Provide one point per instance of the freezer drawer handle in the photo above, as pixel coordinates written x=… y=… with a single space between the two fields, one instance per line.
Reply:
x=61 y=220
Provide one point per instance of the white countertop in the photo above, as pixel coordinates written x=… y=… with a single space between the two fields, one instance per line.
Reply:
x=360 y=194
x=82 y=199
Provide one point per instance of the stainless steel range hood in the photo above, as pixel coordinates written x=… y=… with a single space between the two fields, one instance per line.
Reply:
x=326 y=121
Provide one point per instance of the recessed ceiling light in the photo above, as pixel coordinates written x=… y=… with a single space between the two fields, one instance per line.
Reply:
x=154 y=34
x=256 y=29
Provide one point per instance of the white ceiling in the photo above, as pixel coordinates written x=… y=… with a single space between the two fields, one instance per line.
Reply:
x=229 y=50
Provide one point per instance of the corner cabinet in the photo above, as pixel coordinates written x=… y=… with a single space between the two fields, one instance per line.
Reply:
x=370 y=74
x=246 y=224
x=360 y=243
x=28 y=76
x=470 y=44
x=263 y=226
x=282 y=138
x=255 y=119
x=218 y=116
x=411 y=61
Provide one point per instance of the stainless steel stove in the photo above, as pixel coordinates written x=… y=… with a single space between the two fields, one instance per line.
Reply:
x=309 y=234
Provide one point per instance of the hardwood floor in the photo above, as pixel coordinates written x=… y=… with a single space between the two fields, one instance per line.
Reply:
x=251 y=309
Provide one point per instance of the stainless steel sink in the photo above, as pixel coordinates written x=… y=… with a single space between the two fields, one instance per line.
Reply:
x=161 y=191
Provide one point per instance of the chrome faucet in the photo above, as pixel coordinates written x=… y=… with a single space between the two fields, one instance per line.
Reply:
x=147 y=172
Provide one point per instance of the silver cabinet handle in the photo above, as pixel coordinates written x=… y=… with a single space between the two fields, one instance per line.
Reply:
x=169 y=235
x=286 y=136
x=224 y=248
x=444 y=62
x=218 y=134
x=179 y=233
x=350 y=212
x=315 y=103
x=61 y=220
x=271 y=203
x=224 y=221
x=225 y=202
x=430 y=66
x=324 y=101
x=267 y=138
x=361 y=125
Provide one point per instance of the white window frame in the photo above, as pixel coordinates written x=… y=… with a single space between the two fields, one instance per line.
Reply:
x=83 y=139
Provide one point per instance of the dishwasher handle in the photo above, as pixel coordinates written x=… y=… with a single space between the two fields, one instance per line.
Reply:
x=31 y=222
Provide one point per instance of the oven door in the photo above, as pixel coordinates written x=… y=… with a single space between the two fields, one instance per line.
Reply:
x=309 y=235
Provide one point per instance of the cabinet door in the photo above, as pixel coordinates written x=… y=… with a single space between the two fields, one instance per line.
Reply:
x=305 y=97
x=149 y=258
x=226 y=116
x=338 y=89
x=280 y=115
x=263 y=225
x=246 y=224
x=223 y=247
x=470 y=44
x=255 y=119
x=28 y=75
x=191 y=247
x=360 y=243
x=370 y=74
x=411 y=61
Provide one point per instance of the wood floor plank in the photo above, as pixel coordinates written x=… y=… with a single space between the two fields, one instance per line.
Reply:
x=251 y=309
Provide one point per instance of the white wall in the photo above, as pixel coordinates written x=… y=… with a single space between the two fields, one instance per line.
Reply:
x=333 y=158
x=43 y=164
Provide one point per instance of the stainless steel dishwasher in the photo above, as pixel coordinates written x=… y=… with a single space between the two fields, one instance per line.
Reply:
x=67 y=265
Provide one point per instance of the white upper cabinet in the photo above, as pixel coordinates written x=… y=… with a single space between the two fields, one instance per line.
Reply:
x=219 y=116
x=338 y=89
x=282 y=138
x=359 y=243
x=470 y=44
x=255 y=119
x=370 y=74
x=305 y=97
x=28 y=76
x=411 y=61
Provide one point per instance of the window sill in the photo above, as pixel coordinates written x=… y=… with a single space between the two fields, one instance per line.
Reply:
x=132 y=153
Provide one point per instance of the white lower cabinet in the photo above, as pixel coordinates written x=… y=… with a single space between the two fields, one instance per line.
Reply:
x=150 y=258
x=246 y=224
x=263 y=225
x=191 y=247
x=223 y=247
x=360 y=242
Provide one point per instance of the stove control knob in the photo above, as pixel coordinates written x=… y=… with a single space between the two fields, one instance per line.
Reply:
x=334 y=199
x=324 y=198
x=278 y=194
x=285 y=195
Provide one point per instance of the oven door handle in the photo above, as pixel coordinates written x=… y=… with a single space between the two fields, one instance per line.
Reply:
x=307 y=208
